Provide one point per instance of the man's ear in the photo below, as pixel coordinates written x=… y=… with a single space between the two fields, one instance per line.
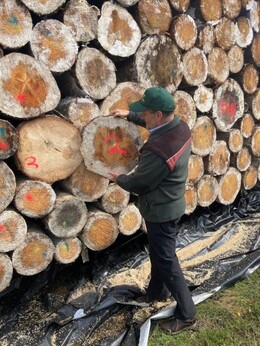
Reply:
x=159 y=115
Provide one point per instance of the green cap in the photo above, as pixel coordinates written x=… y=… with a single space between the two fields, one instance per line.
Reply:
x=156 y=99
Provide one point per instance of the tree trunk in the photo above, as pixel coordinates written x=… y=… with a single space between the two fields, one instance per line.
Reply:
x=13 y=229
x=100 y=231
x=33 y=198
x=110 y=144
x=43 y=7
x=67 y=250
x=118 y=32
x=185 y=107
x=235 y=59
x=203 y=136
x=217 y=162
x=68 y=216
x=27 y=88
x=203 y=98
x=82 y=19
x=15 y=24
x=58 y=57
x=229 y=186
x=129 y=220
x=95 y=73
x=191 y=198
x=8 y=139
x=49 y=148
x=207 y=190
x=6 y=271
x=184 y=31
x=195 y=67
x=218 y=65
x=195 y=169
x=7 y=185
x=34 y=254
x=114 y=200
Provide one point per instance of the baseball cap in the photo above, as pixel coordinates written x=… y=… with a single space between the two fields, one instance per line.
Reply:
x=156 y=99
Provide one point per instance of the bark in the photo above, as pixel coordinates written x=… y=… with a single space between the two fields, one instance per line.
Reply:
x=82 y=19
x=217 y=162
x=100 y=231
x=13 y=230
x=129 y=220
x=218 y=65
x=195 y=67
x=191 y=199
x=185 y=107
x=247 y=125
x=27 y=88
x=49 y=149
x=15 y=24
x=249 y=178
x=33 y=198
x=203 y=98
x=7 y=185
x=184 y=31
x=67 y=250
x=110 y=144
x=68 y=216
x=58 y=57
x=195 y=169
x=235 y=59
x=6 y=271
x=95 y=73
x=34 y=254
x=118 y=32
x=8 y=139
x=114 y=200
x=229 y=186
x=43 y=7
x=203 y=136
x=207 y=190
x=244 y=32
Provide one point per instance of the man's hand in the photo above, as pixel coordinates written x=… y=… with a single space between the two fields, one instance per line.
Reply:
x=113 y=176
x=120 y=113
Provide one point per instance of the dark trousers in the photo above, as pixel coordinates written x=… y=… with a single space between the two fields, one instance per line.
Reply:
x=166 y=273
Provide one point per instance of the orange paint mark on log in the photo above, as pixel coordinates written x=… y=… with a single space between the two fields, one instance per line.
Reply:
x=2 y=228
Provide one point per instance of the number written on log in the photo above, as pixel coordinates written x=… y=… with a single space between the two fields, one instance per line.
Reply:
x=3 y=144
x=32 y=161
x=114 y=142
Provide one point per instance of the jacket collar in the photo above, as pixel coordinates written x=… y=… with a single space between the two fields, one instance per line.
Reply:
x=168 y=126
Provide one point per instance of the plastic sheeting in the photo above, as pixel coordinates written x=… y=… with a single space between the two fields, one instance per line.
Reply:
x=94 y=303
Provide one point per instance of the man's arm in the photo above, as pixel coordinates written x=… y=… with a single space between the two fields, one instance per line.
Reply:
x=131 y=116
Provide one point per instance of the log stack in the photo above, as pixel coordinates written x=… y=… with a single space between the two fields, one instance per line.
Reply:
x=61 y=77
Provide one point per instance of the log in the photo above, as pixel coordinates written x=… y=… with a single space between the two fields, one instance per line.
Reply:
x=100 y=231
x=67 y=250
x=27 y=88
x=225 y=33
x=13 y=230
x=120 y=98
x=207 y=190
x=110 y=144
x=95 y=73
x=8 y=139
x=254 y=15
x=34 y=254
x=206 y=38
x=255 y=142
x=244 y=32
x=68 y=216
x=7 y=185
x=195 y=67
x=114 y=200
x=163 y=67
x=247 y=125
x=180 y=5
x=195 y=169
x=127 y=3
x=184 y=31
x=129 y=220
x=228 y=105
x=191 y=199
x=235 y=140
x=82 y=19
x=217 y=162
x=49 y=149
x=6 y=271
x=250 y=78
x=85 y=184
x=235 y=59
x=229 y=186
x=211 y=10
x=34 y=198
x=79 y=110
x=1 y=53
x=43 y=7
x=231 y=9
x=255 y=104
x=118 y=32
x=255 y=49
x=58 y=57
x=218 y=65
x=203 y=136
x=15 y=24
x=203 y=98
x=247 y=4
x=185 y=107
x=154 y=17
x=243 y=159
x=249 y=178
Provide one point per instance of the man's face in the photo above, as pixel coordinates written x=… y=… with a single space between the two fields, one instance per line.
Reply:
x=151 y=118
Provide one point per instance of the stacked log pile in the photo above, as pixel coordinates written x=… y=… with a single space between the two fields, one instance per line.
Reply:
x=61 y=77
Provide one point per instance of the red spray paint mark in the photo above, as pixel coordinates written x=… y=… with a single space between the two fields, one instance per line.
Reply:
x=2 y=228
x=3 y=145
x=114 y=149
x=32 y=161
x=227 y=108
x=21 y=98
x=29 y=197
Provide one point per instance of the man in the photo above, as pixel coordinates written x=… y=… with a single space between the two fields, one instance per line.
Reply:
x=159 y=180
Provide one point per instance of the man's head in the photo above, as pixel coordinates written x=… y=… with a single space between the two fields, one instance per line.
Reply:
x=156 y=105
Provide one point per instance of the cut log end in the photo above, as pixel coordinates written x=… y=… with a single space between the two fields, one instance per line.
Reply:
x=7 y=185
x=129 y=220
x=6 y=271
x=185 y=107
x=250 y=178
x=203 y=136
x=195 y=169
x=235 y=140
x=8 y=139
x=67 y=250
x=229 y=186
x=208 y=189
x=115 y=199
x=247 y=125
x=218 y=159
x=191 y=198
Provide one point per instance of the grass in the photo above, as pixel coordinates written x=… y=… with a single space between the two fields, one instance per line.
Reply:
x=229 y=318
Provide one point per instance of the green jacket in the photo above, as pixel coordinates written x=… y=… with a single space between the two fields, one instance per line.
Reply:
x=159 y=179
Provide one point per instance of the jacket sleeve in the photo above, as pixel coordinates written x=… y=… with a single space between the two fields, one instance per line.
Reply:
x=136 y=118
x=150 y=171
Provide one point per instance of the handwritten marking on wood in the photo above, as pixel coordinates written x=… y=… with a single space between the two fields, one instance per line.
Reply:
x=114 y=148
x=32 y=161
